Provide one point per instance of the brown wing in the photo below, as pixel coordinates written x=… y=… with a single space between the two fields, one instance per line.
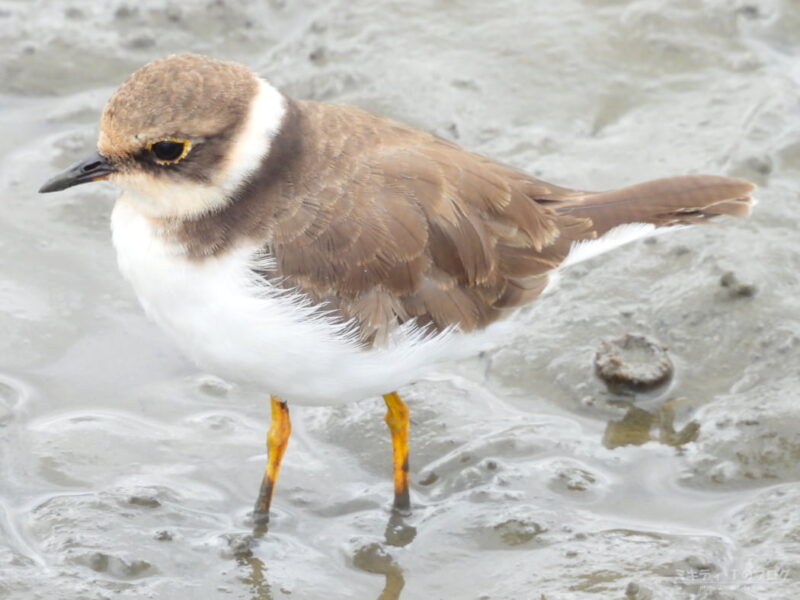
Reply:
x=384 y=223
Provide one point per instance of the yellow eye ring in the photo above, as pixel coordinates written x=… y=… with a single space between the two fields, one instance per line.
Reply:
x=169 y=151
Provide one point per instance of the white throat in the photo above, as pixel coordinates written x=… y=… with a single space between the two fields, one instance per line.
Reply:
x=161 y=198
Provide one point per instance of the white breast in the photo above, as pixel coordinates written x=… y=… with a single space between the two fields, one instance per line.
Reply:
x=244 y=329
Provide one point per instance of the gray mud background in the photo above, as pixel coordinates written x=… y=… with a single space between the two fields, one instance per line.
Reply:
x=126 y=474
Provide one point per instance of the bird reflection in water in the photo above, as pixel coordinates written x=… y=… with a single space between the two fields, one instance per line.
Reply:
x=371 y=558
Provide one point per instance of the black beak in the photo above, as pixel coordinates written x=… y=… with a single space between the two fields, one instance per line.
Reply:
x=93 y=168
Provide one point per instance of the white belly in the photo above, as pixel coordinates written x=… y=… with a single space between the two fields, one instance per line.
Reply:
x=243 y=329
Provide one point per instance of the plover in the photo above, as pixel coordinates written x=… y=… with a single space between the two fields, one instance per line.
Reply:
x=328 y=254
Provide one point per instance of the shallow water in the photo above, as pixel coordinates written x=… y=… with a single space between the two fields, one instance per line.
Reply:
x=125 y=473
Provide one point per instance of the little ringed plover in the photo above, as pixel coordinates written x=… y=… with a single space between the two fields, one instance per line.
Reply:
x=328 y=254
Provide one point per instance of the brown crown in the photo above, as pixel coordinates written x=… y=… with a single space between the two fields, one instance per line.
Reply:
x=182 y=96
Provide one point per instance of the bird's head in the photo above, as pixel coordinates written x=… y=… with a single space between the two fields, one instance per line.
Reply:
x=180 y=136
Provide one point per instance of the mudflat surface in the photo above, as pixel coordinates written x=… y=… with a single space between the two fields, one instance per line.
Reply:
x=125 y=473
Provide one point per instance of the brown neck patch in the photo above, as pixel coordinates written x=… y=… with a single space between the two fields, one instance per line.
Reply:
x=253 y=207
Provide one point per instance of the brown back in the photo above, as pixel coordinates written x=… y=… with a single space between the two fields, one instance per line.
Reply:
x=382 y=223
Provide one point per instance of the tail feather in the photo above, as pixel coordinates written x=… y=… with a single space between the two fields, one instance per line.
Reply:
x=682 y=200
x=621 y=216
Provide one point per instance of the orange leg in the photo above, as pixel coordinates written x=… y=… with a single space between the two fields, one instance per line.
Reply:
x=397 y=420
x=277 y=438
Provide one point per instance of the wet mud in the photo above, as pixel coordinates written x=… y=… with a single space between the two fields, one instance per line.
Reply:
x=125 y=473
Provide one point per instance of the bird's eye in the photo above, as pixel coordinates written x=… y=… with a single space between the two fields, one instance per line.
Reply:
x=169 y=152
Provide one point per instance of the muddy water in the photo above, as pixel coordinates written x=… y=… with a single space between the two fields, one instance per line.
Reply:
x=125 y=473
